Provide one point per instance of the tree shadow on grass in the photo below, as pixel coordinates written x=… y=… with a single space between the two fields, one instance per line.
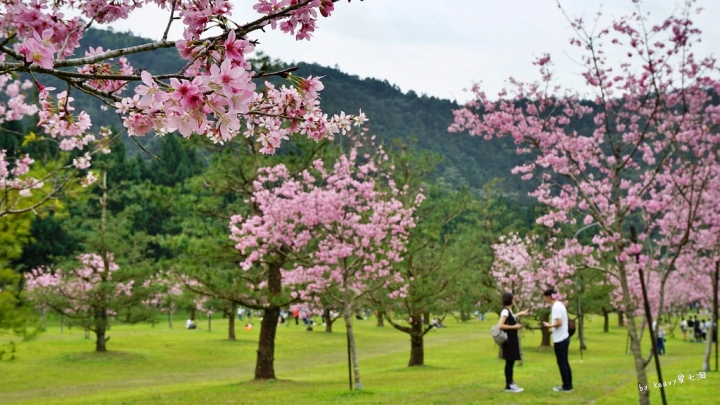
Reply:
x=416 y=369
x=270 y=383
x=111 y=356
x=353 y=393
x=239 y=341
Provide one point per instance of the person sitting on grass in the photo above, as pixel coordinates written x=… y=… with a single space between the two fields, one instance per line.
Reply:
x=190 y=323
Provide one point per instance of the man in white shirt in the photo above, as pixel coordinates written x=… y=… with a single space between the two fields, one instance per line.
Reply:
x=561 y=338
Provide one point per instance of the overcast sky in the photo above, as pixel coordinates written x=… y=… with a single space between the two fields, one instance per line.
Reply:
x=441 y=47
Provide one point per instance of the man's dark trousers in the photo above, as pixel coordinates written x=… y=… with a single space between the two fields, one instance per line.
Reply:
x=561 y=353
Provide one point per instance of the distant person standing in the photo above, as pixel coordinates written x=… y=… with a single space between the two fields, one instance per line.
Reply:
x=696 y=327
x=683 y=328
x=691 y=328
x=661 y=340
x=296 y=314
x=659 y=337
x=511 y=347
x=561 y=338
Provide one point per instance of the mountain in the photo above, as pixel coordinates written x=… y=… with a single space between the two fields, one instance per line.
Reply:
x=469 y=161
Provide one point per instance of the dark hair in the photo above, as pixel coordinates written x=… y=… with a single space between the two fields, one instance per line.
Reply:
x=507 y=298
x=549 y=292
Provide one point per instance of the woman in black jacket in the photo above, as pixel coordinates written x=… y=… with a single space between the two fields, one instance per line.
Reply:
x=511 y=348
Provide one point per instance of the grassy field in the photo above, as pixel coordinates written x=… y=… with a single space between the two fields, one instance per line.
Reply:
x=158 y=365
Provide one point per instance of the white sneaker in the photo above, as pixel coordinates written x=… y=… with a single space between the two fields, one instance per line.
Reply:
x=514 y=388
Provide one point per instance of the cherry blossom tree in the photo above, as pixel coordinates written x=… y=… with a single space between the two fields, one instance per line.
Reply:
x=94 y=288
x=164 y=294
x=362 y=234
x=88 y=295
x=654 y=126
x=206 y=255
x=341 y=233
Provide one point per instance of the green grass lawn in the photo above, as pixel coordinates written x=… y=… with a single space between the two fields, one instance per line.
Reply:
x=158 y=365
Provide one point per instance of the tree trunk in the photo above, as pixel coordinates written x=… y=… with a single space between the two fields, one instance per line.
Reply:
x=231 y=322
x=545 y=342
x=708 y=350
x=606 y=320
x=635 y=343
x=380 y=319
x=100 y=328
x=100 y=341
x=347 y=316
x=713 y=320
x=328 y=320
x=621 y=319
x=265 y=364
x=581 y=331
x=417 y=350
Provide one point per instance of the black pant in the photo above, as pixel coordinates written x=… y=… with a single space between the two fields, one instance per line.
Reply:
x=561 y=353
x=509 y=372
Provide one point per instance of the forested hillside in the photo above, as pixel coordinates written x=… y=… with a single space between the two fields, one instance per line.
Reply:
x=393 y=115
x=470 y=161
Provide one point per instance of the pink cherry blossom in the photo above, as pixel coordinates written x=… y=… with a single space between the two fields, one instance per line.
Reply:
x=647 y=160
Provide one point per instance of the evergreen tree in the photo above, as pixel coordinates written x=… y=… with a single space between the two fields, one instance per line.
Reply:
x=49 y=241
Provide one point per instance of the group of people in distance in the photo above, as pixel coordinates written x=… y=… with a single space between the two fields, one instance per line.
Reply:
x=699 y=329
x=561 y=339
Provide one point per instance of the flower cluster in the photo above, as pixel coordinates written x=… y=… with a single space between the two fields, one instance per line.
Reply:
x=13 y=178
x=301 y=21
x=163 y=293
x=104 y=69
x=526 y=268
x=78 y=291
x=349 y=231
x=56 y=117
x=214 y=95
